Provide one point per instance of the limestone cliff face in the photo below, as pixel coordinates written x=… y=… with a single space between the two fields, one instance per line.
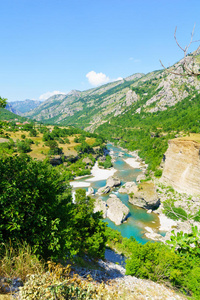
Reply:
x=182 y=166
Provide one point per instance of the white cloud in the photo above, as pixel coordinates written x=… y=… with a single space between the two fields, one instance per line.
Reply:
x=46 y=95
x=97 y=78
x=117 y=79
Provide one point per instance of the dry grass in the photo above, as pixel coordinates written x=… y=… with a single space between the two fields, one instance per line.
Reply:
x=19 y=262
x=192 y=137
x=40 y=151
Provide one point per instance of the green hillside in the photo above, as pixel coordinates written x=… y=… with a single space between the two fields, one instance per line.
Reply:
x=8 y=115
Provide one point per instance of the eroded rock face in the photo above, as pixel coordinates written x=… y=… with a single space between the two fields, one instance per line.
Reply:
x=145 y=196
x=182 y=166
x=116 y=211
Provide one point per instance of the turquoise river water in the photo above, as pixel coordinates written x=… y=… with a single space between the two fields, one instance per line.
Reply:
x=138 y=218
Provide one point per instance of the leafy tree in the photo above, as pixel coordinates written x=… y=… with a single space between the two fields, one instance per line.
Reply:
x=3 y=102
x=54 y=149
x=23 y=146
x=89 y=230
x=36 y=207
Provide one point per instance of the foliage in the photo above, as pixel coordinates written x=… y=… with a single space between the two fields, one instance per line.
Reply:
x=186 y=243
x=157 y=262
x=36 y=207
x=23 y=146
x=174 y=213
x=149 y=132
x=107 y=163
x=89 y=230
x=3 y=102
x=84 y=148
x=158 y=173
x=19 y=261
x=54 y=149
x=58 y=283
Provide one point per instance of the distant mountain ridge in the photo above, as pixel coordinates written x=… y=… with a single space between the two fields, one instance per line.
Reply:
x=21 y=107
x=149 y=93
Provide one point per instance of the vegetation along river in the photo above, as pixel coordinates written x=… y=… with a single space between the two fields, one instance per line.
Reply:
x=138 y=218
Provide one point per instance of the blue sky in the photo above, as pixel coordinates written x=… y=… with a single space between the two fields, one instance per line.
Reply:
x=60 y=45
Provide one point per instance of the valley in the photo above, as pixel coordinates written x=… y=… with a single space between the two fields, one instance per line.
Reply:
x=133 y=146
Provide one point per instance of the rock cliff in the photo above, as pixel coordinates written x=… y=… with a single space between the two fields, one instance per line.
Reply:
x=182 y=166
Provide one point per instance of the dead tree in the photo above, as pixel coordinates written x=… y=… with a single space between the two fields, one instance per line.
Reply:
x=188 y=62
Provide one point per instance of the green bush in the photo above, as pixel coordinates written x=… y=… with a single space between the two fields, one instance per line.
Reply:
x=158 y=173
x=157 y=262
x=36 y=207
x=174 y=213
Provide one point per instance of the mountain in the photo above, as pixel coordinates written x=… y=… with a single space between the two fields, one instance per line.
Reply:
x=142 y=111
x=10 y=108
x=81 y=108
x=150 y=93
x=22 y=106
x=8 y=115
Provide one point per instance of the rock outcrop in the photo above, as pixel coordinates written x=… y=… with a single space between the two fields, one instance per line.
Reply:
x=116 y=211
x=111 y=183
x=100 y=205
x=103 y=190
x=182 y=166
x=113 y=209
x=128 y=188
x=145 y=196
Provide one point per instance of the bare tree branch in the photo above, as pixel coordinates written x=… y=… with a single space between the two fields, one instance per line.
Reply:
x=188 y=61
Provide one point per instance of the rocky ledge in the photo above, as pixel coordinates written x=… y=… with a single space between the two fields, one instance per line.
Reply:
x=145 y=196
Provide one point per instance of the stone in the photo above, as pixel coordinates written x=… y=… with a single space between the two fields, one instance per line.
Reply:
x=145 y=196
x=103 y=190
x=117 y=212
x=140 y=177
x=90 y=191
x=113 y=181
x=100 y=205
x=128 y=188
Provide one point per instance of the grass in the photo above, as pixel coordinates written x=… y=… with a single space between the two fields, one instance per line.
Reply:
x=19 y=262
x=192 y=137
x=40 y=151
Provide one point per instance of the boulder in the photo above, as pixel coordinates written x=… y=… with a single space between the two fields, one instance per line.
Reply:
x=128 y=188
x=103 y=190
x=145 y=196
x=90 y=191
x=117 y=212
x=113 y=181
x=140 y=177
x=100 y=205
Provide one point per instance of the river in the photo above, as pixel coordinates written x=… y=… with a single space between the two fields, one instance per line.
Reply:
x=138 y=218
